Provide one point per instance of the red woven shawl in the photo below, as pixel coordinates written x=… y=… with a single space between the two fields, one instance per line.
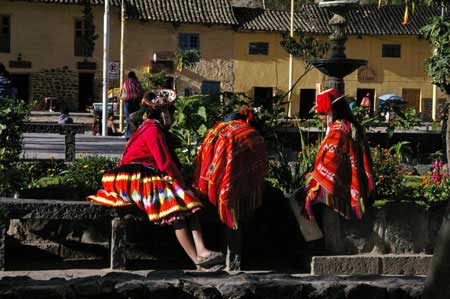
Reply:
x=230 y=169
x=343 y=168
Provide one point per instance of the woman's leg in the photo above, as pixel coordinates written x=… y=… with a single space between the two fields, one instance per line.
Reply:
x=198 y=237
x=184 y=237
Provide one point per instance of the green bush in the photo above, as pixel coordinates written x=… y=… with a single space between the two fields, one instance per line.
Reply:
x=40 y=173
x=13 y=114
x=85 y=174
x=436 y=184
x=194 y=115
x=389 y=173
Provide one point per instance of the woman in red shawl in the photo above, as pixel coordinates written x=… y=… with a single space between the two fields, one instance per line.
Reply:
x=231 y=166
x=342 y=177
x=148 y=176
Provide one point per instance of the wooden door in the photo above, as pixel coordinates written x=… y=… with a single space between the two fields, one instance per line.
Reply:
x=412 y=98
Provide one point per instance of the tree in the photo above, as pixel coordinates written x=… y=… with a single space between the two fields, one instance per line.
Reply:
x=89 y=36
x=437 y=32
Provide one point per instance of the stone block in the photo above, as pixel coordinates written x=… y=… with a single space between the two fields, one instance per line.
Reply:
x=345 y=265
x=419 y=264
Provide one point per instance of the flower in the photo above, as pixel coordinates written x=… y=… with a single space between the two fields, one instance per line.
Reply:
x=85 y=166
x=101 y=171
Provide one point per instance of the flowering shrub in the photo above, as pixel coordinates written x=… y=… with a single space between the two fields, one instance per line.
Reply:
x=41 y=173
x=436 y=185
x=12 y=117
x=85 y=174
x=389 y=173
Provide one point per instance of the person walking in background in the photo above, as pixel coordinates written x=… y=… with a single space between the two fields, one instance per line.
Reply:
x=148 y=176
x=5 y=82
x=366 y=103
x=131 y=94
x=342 y=177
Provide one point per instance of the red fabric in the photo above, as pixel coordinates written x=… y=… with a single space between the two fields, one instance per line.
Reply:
x=324 y=100
x=133 y=89
x=148 y=146
x=343 y=169
x=230 y=169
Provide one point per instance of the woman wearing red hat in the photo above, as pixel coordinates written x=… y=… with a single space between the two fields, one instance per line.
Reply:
x=148 y=176
x=342 y=177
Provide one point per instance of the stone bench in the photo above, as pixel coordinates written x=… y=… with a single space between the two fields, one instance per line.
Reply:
x=69 y=130
x=11 y=208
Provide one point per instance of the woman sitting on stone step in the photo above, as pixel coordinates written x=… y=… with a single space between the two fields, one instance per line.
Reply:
x=148 y=176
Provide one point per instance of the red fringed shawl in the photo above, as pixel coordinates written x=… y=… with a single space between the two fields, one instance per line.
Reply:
x=342 y=177
x=230 y=169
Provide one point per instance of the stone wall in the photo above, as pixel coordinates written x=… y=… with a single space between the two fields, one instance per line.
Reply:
x=394 y=228
x=61 y=83
x=221 y=70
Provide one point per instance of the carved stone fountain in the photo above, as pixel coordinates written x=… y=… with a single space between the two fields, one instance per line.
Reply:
x=337 y=65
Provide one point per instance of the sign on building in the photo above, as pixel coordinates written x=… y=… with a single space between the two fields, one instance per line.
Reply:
x=114 y=70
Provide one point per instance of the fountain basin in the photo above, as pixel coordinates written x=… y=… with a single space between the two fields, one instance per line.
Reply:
x=337 y=67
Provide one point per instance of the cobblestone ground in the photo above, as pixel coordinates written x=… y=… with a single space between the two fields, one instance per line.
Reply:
x=193 y=284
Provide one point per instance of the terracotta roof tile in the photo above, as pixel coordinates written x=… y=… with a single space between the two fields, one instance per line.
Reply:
x=365 y=20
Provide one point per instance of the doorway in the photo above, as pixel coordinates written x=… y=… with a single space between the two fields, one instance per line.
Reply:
x=21 y=83
x=263 y=96
x=307 y=100
x=412 y=98
x=86 y=90
x=361 y=93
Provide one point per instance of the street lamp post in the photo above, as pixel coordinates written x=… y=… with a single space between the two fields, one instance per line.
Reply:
x=105 y=67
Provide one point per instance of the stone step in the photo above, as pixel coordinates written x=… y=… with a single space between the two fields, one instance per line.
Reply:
x=383 y=264
x=46 y=116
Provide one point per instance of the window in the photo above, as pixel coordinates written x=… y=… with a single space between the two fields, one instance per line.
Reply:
x=79 y=38
x=391 y=50
x=258 y=48
x=189 y=41
x=5 y=34
x=211 y=87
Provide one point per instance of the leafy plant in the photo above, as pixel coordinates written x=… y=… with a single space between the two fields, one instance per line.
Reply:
x=186 y=58
x=153 y=81
x=39 y=174
x=12 y=117
x=85 y=174
x=289 y=176
x=436 y=185
x=389 y=173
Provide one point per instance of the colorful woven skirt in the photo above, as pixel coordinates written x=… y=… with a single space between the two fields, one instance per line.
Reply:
x=158 y=195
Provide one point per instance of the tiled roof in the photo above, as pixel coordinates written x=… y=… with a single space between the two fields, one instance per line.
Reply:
x=177 y=11
x=94 y=2
x=365 y=20
x=182 y=11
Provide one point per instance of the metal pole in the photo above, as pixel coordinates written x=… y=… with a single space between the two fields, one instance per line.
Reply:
x=291 y=61
x=434 y=100
x=122 y=43
x=105 y=66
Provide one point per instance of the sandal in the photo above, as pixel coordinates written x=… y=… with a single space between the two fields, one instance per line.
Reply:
x=215 y=268
x=212 y=259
